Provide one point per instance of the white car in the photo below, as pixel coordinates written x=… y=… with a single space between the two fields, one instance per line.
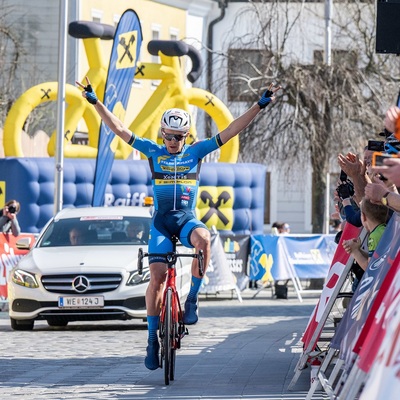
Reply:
x=96 y=279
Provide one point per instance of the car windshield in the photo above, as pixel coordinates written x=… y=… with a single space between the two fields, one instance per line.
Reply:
x=96 y=231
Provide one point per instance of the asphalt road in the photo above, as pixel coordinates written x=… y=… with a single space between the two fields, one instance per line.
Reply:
x=237 y=350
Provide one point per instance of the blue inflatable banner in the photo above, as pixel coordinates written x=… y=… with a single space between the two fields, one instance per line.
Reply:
x=121 y=71
x=289 y=256
x=128 y=184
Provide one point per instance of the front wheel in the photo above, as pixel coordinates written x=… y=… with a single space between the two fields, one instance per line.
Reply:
x=22 y=324
x=167 y=338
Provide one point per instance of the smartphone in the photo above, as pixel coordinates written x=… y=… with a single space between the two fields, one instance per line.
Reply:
x=378 y=157
x=376 y=145
x=343 y=176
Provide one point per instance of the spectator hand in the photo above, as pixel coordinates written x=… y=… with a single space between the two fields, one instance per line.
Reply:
x=390 y=119
x=390 y=169
x=351 y=245
x=375 y=191
x=351 y=164
x=88 y=92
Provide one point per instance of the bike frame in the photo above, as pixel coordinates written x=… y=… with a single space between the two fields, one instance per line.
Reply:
x=171 y=316
x=177 y=314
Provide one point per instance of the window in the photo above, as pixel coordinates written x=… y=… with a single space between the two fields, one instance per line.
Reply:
x=97 y=15
x=247 y=69
x=343 y=57
x=173 y=33
x=155 y=35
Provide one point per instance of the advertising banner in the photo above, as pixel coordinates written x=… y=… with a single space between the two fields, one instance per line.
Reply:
x=219 y=277
x=237 y=249
x=387 y=306
x=339 y=262
x=353 y=320
x=9 y=256
x=383 y=380
x=121 y=71
x=285 y=256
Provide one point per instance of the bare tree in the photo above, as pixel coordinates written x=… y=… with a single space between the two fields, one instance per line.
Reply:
x=324 y=110
x=10 y=54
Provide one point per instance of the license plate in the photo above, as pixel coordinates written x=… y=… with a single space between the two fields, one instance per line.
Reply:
x=81 y=302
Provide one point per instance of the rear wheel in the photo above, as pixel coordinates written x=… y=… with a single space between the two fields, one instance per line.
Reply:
x=22 y=324
x=167 y=328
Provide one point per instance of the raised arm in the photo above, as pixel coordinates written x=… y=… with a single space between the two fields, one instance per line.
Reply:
x=240 y=123
x=114 y=123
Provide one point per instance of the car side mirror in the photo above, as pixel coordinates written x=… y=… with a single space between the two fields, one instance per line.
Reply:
x=24 y=243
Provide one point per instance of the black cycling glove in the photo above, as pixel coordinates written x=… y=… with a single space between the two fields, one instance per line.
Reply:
x=90 y=95
x=265 y=99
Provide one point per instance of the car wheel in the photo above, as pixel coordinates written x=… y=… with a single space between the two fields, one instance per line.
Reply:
x=22 y=324
x=57 y=322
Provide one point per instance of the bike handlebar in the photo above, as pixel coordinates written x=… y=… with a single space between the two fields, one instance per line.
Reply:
x=170 y=259
x=170 y=48
x=177 y=48
x=91 y=30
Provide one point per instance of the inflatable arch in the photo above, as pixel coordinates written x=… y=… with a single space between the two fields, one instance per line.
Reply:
x=231 y=196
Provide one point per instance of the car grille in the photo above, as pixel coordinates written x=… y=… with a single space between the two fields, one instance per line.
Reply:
x=81 y=283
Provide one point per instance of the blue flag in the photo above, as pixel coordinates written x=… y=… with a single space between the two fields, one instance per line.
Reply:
x=121 y=71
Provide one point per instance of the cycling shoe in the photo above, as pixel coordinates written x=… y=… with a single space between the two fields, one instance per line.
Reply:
x=190 y=317
x=152 y=360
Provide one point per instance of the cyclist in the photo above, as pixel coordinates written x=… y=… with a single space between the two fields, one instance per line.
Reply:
x=175 y=168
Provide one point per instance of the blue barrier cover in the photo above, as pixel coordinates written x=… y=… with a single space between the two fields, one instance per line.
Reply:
x=288 y=256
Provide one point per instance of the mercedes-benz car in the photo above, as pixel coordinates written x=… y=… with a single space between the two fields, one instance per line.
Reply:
x=83 y=267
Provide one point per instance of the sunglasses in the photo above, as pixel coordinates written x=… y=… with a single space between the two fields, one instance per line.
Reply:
x=170 y=136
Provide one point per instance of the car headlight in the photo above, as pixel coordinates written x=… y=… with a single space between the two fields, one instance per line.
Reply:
x=24 y=279
x=136 y=279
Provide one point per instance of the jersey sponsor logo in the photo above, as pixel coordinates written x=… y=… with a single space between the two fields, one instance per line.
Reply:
x=185 y=197
x=169 y=181
x=167 y=168
x=215 y=206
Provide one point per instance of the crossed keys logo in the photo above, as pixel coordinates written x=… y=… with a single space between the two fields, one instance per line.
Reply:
x=126 y=50
x=215 y=206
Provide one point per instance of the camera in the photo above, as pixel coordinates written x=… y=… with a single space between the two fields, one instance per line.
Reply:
x=378 y=157
x=343 y=176
x=12 y=209
x=376 y=145
x=345 y=190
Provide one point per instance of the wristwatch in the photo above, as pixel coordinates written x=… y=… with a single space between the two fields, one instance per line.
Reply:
x=384 y=199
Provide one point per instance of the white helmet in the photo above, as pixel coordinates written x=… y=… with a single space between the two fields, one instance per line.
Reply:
x=176 y=119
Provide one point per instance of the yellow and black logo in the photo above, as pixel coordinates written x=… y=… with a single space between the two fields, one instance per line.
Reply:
x=2 y=193
x=215 y=206
x=126 y=50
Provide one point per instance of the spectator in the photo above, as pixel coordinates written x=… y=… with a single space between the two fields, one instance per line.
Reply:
x=281 y=227
x=135 y=231
x=76 y=237
x=391 y=167
x=336 y=226
x=373 y=218
x=8 y=218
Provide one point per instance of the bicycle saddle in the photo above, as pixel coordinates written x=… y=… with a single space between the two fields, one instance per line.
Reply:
x=90 y=29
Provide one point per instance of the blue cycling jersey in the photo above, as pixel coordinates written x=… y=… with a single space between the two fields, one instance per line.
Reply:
x=175 y=177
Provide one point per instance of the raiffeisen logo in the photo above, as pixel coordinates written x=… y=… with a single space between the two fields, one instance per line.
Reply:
x=131 y=199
